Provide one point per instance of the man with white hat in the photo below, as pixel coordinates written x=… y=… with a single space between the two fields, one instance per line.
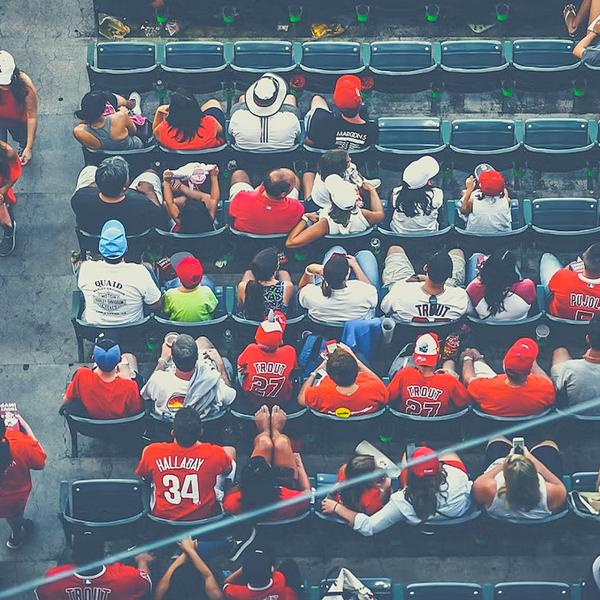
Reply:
x=266 y=117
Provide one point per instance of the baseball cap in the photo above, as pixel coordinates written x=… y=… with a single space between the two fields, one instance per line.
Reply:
x=343 y=193
x=427 y=467
x=427 y=350
x=491 y=183
x=419 y=172
x=106 y=354
x=266 y=96
x=113 y=241
x=269 y=334
x=7 y=67
x=346 y=94
x=189 y=270
x=521 y=356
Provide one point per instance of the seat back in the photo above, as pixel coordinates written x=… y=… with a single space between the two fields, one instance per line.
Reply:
x=401 y=58
x=483 y=135
x=380 y=586
x=532 y=590
x=263 y=56
x=194 y=56
x=544 y=54
x=556 y=134
x=410 y=135
x=125 y=56
x=444 y=591
x=565 y=214
x=472 y=56
x=332 y=57
x=584 y=481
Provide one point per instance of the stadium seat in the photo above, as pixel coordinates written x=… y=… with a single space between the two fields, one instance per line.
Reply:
x=498 y=419
x=138 y=159
x=570 y=326
x=108 y=507
x=173 y=159
x=380 y=586
x=198 y=66
x=202 y=245
x=532 y=590
x=122 y=66
x=354 y=418
x=129 y=333
x=323 y=62
x=428 y=420
x=565 y=218
x=325 y=480
x=136 y=244
x=112 y=430
x=174 y=525
x=403 y=66
x=583 y=482
x=443 y=591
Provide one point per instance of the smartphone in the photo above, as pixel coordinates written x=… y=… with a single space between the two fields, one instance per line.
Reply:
x=518 y=445
x=331 y=346
x=321 y=373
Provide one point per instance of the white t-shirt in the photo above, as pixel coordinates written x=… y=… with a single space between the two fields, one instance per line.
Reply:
x=408 y=302
x=357 y=300
x=490 y=214
x=400 y=223
x=517 y=303
x=356 y=224
x=115 y=294
x=278 y=132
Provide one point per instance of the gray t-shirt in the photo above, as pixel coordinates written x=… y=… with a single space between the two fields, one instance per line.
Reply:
x=591 y=55
x=579 y=381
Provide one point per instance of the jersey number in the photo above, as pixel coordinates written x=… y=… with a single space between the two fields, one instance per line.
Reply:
x=267 y=387
x=177 y=490
x=423 y=409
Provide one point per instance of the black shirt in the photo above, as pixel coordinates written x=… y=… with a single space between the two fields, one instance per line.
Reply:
x=135 y=211
x=329 y=130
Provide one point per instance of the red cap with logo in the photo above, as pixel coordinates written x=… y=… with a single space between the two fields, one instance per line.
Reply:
x=428 y=466
x=427 y=350
x=491 y=183
x=190 y=271
x=521 y=356
x=346 y=94
x=269 y=334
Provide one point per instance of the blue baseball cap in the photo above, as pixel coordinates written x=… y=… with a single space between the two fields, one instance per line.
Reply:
x=107 y=354
x=113 y=242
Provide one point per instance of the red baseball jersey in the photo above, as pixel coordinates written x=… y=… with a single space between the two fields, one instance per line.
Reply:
x=114 y=582
x=184 y=479
x=15 y=483
x=414 y=394
x=268 y=374
x=574 y=296
x=277 y=590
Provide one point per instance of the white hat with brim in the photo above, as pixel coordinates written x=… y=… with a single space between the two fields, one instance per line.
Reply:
x=266 y=96
x=419 y=172
x=342 y=193
x=7 y=67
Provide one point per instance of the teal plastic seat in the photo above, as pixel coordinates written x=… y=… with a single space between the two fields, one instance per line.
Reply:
x=557 y=136
x=443 y=591
x=532 y=590
x=274 y=56
x=565 y=216
x=544 y=55
x=410 y=137
x=472 y=56
x=332 y=58
x=402 y=58
x=484 y=137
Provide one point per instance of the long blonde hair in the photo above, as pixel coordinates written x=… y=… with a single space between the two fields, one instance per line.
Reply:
x=521 y=488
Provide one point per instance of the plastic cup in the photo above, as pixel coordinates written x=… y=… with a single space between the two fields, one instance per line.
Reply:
x=542 y=331
x=295 y=13
x=362 y=12
x=229 y=15
x=432 y=13
x=502 y=11
x=170 y=338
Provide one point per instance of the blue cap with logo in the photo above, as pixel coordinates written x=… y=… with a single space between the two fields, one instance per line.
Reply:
x=113 y=241
x=107 y=354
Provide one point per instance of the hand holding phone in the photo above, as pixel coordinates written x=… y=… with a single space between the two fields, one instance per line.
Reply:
x=518 y=445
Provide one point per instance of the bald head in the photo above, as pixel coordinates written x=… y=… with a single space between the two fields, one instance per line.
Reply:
x=279 y=183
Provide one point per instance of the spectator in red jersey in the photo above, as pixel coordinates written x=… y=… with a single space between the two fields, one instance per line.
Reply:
x=109 y=390
x=273 y=207
x=10 y=171
x=20 y=452
x=572 y=292
x=423 y=390
x=184 y=472
x=257 y=579
x=348 y=388
x=265 y=368
x=115 y=581
x=273 y=473
x=523 y=390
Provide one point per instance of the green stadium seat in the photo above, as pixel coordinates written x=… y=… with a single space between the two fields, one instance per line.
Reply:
x=532 y=590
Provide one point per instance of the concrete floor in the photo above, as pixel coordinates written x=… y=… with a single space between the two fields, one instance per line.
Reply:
x=37 y=351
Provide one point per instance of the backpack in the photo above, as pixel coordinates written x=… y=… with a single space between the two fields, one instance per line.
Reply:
x=310 y=355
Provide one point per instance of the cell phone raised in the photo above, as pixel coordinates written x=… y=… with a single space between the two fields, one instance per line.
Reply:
x=518 y=445
x=331 y=346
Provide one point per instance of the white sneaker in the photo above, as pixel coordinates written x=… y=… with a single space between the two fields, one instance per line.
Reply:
x=374 y=182
x=137 y=109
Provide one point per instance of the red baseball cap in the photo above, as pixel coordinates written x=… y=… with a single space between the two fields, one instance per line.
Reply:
x=269 y=334
x=190 y=271
x=346 y=94
x=427 y=350
x=521 y=356
x=425 y=468
x=491 y=183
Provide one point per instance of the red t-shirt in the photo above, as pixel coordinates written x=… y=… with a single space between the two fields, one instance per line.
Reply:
x=184 y=478
x=15 y=482
x=574 y=296
x=14 y=172
x=105 y=400
x=370 y=396
x=232 y=504
x=371 y=499
x=414 y=394
x=255 y=212
x=268 y=374
x=207 y=136
x=277 y=590
x=496 y=397
x=115 y=582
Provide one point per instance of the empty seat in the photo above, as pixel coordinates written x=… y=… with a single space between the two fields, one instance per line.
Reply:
x=444 y=591
x=473 y=56
x=532 y=590
x=263 y=56
x=332 y=58
x=557 y=135
x=410 y=136
x=544 y=55
x=380 y=586
x=483 y=136
x=564 y=216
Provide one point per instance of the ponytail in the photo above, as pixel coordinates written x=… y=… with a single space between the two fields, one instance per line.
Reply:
x=254 y=303
x=5 y=453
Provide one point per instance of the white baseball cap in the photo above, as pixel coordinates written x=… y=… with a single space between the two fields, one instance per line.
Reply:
x=343 y=193
x=427 y=350
x=7 y=67
x=419 y=172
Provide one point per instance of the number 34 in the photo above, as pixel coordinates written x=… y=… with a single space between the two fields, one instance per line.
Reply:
x=178 y=490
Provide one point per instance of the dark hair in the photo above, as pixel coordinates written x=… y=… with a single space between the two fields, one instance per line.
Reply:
x=4 y=162
x=263 y=267
x=258 y=484
x=257 y=568
x=18 y=88
x=593 y=333
x=92 y=106
x=349 y=113
x=339 y=215
x=87 y=548
x=5 y=453
x=591 y=261
x=276 y=186
x=185 y=115
x=359 y=465
x=439 y=267
x=335 y=272
x=194 y=217
x=186 y=580
x=187 y=426
x=333 y=162
x=521 y=489
x=112 y=176
x=498 y=274
x=342 y=367
x=422 y=493
x=185 y=353
x=414 y=202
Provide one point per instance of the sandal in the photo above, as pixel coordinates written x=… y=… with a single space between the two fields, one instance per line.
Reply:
x=569 y=11
x=594 y=26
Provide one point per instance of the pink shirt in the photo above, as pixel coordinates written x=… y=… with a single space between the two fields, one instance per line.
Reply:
x=517 y=303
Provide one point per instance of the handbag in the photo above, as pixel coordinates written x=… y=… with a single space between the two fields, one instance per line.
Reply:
x=346 y=586
x=585 y=502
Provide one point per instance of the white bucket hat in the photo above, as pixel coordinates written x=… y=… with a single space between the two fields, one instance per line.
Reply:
x=419 y=172
x=265 y=97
